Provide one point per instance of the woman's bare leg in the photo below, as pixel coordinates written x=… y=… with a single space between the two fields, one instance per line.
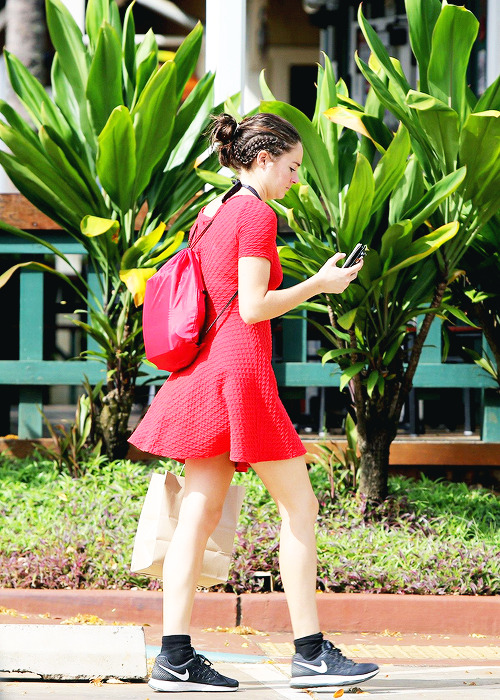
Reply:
x=288 y=483
x=207 y=483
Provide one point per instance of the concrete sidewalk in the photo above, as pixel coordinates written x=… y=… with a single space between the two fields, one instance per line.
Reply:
x=269 y=681
x=413 y=665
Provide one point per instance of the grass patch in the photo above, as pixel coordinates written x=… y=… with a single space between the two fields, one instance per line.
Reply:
x=426 y=538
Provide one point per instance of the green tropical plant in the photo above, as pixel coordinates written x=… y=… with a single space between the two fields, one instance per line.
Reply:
x=111 y=160
x=393 y=193
x=478 y=293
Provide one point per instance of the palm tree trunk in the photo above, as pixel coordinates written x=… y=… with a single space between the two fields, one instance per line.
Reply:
x=26 y=34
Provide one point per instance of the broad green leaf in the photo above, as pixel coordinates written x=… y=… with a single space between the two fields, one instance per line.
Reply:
x=153 y=118
x=190 y=122
x=408 y=191
x=66 y=169
x=396 y=106
x=441 y=124
x=264 y=88
x=395 y=240
x=357 y=205
x=490 y=99
x=96 y=13
x=135 y=281
x=349 y=373
x=372 y=382
x=116 y=158
x=81 y=168
x=422 y=16
x=68 y=42
x=316 y=159
x=65 y=100
x=19 y=125
x=454 y=34
x=186 y=58
x=400 y=83
x=480 y=152
x=128 y=43
x=391 y=167
x=325 y=99
x=33 y=265
x=41 y=194
x=104 y=86
x=29 y=90
x=433 y=197
x=346 y=320
x=93 y=226
x=193 y=114
x=37 y=163
x=424 y=246
x=215 y=179
x=340 y=352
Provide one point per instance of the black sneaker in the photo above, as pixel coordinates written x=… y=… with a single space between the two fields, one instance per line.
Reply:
x=196 y=674
x=329 y=668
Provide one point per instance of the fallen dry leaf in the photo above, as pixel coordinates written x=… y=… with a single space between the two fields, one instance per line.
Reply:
x=477 y=636
x=8 y=611
x=96 y=681
x=240 y=629
x=338 y=693
x=85 y=619
x=390 y=633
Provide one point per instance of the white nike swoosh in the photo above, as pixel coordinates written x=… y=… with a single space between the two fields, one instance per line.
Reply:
x=319 y=669
x=181 y=676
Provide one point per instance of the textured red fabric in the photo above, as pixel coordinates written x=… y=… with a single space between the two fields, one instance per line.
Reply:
x=227 y=400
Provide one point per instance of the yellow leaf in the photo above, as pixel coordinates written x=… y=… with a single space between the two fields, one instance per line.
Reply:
x=348 y=118
x=62 y=496
x=338 y=693
x=135 y=281
x=96 y=226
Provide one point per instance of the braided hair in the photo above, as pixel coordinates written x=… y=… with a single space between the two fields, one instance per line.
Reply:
x=239 y=144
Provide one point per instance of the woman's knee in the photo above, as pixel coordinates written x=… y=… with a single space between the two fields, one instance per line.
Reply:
x=304 y=509
x=200 y=514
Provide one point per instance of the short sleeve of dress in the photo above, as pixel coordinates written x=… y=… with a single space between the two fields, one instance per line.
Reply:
x=257 y=226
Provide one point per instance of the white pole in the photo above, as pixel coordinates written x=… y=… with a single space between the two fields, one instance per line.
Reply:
x=226 y=47
x=492 y=42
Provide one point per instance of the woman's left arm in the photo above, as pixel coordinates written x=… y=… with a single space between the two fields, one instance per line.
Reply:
x=259 y=303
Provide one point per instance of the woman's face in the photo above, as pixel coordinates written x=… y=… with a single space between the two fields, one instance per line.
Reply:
x=278 y=174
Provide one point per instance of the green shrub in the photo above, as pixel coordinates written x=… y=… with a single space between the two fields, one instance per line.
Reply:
x=426 y=538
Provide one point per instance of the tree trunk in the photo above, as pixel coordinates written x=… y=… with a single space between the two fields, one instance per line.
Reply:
x=113 y=422
x=375 y=434
x=26 y=34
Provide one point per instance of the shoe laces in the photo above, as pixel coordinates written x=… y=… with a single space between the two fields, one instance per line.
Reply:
x=334 y=651
x=206 y=667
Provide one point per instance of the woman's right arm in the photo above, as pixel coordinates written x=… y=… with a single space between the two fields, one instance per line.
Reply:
x=259 y=303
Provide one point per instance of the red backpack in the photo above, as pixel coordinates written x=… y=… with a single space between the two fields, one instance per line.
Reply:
x=174 y=305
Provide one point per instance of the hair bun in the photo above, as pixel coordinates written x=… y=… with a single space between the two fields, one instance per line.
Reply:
x=223 y=129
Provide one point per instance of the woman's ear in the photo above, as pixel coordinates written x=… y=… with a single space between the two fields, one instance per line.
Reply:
x=263 y=158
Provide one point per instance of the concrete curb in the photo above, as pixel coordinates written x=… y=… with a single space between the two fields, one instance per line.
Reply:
x=340 y=612
x=74 y=652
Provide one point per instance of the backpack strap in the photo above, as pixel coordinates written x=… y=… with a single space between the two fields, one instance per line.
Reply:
x=237 y=185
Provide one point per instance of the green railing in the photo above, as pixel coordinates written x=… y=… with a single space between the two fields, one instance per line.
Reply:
x=31 y=373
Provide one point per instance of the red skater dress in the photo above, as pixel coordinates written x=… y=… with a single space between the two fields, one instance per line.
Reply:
x=227 y=399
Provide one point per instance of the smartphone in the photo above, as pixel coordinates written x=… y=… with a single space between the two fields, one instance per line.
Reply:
x=355 y=256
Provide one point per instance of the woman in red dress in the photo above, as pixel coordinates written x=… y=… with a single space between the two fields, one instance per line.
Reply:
x=224 y=409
